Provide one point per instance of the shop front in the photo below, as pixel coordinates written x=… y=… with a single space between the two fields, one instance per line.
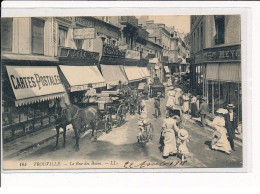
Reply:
x=218 y=75
x=134 y=75
x=77 y=80
x=30 y=96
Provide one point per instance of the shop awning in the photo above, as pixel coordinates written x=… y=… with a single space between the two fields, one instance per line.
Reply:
x=133 y=73
x=113 y=74
x=230 y=72
x=212 y=71
x=79 y=77
x=144 y=71
x=166 y=68
x=33 y=84
x=154 y=60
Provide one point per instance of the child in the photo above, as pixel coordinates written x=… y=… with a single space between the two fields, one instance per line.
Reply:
x=182 y=141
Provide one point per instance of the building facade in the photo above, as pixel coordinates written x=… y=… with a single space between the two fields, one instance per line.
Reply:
x=216 y=60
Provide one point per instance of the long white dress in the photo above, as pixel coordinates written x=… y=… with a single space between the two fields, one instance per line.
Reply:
x=171 y=98
x=220 y=141
x=168 y=133
x=185 y=103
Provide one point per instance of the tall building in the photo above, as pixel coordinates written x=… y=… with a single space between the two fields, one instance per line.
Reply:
x=216 y=60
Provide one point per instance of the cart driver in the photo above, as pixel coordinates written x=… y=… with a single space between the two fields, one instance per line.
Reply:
x=156 y=79
x=120 y=86
x=91 y=93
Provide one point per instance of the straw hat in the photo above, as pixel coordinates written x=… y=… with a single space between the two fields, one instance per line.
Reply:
x=230 y=106
x=222 y=111
x=183 y=134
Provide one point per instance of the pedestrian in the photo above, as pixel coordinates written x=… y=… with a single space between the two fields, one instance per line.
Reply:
x=182 y=144
x=170 y=101
x=146 y=91
x=231 y=124
x=168 y=138
x=203 y=111
x=220 y=141
x=139 y=99
x=157 y=106
x=142 y=122
x=178 y=96
x=143 y=105
x=132 y=105
x=194 y=110
x=186 y=103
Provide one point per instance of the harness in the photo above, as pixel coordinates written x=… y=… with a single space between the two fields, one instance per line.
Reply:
x=77 y=113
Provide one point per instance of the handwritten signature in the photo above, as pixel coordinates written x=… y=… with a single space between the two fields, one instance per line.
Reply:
x=146 y=164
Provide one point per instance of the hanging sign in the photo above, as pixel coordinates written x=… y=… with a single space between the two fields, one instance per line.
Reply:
x=84 y=33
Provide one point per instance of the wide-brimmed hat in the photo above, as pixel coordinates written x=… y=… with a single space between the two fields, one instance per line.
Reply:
x=183 y=134
x=230 y=106
x=222 y=111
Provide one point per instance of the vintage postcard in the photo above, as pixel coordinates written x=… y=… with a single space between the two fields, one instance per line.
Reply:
x=122 y=92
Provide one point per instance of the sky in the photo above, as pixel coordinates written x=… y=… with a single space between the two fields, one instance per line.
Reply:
x=181 y=22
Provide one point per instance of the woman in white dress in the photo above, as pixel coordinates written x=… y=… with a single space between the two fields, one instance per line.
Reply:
x=186 y=103
x=220 y=140
x=169 y=139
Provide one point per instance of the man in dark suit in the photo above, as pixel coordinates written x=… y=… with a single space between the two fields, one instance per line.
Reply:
x=203 y=111
x=231 y=124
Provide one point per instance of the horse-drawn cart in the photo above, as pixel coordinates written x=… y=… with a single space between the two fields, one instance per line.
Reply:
x=157 y=88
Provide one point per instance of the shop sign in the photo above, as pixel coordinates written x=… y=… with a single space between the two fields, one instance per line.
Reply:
x=109 y=50
x=130 y=54
x=77 y=54
x=219 y=54
x=79 y=88
x=34 y=81
x=84 y=33
x=85 y=22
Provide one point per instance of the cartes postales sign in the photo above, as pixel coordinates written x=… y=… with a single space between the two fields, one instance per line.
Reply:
x=29 y=82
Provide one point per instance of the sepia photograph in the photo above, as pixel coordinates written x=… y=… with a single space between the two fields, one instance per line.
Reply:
x=121 y=92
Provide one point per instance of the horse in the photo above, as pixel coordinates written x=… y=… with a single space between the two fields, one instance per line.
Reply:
x=79 y=118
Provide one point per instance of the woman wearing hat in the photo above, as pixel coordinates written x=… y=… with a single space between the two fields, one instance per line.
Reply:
x=168 y=135
x=220 y=140
x=182 y=141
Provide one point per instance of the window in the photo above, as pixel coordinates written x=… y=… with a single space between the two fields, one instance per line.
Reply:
x=201 y=38
x=38 y=36
x=7 y=34
x=79 y=44
x=220 y=29
x=63 y=32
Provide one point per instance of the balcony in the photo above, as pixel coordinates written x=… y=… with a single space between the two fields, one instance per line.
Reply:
x=129 y=20
x=109 y=50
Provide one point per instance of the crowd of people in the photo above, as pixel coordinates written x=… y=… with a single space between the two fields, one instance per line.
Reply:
x=224 y=124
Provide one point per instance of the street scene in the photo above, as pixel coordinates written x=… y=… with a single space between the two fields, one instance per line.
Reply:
x=122 y=92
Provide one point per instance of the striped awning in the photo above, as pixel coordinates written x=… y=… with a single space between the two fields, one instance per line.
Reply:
x=133 y=73
x=227 y=72
x=113 y=74
x=79 y=77
x=212 y=71
x=144 y=72
x=33 y=84
x=230 y=72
